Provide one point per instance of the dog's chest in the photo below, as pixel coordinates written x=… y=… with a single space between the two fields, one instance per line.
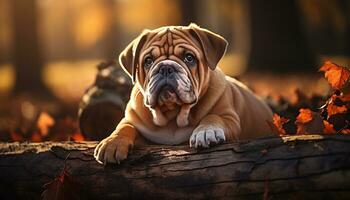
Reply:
x=170 y=134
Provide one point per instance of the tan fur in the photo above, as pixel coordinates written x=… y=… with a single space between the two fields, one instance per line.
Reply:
x=225 y=107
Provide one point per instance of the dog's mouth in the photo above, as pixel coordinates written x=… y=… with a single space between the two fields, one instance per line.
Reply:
x=169 y=97
x=169 y=89
x=165 y=95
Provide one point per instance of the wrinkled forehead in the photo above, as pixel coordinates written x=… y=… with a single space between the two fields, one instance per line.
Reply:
x=166 y=41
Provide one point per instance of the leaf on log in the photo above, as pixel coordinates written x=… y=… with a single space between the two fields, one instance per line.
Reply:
x=63 y=187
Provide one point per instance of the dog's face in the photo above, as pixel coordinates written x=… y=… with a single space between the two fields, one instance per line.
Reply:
x=170 y=64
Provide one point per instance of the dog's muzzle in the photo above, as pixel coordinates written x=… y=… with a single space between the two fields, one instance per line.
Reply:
x=168 y=84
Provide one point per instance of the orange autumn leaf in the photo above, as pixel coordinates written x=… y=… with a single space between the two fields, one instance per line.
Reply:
x=277 y=124
x=328 y=128
x=309 y=122
x=345 y=97
x=305 y=115
x=45 y=121
x=77 y=137
x=333 y=109
x=35 y=137
x=336 y=75
x=345 y=131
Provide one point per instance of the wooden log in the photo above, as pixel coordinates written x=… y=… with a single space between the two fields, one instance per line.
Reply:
x=292 y=167
x=103 y=104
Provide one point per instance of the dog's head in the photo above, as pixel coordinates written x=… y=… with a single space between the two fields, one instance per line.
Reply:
x=170 y=66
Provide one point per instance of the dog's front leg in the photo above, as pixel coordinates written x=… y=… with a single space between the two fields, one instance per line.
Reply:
x=115 y=147
x=214 y=129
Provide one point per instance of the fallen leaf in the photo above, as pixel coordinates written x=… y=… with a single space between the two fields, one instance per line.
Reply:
x=78 y=137
x=36 y=137
x=305 y=115
x=336 y=75
x=266 y=190
x=345 y=131
x=309 y=122
x=333 y=109
x=264 y=152
x=63 y=129
x=63 y=187
x=45 y=121
x=277 y=124
x=16 y=137
x=328 y=128
x=345 y=97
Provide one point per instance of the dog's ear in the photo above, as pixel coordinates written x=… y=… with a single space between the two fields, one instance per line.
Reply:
x=214 y=46
x=128 y=57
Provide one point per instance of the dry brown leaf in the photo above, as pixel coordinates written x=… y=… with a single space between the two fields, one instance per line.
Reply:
x=336 y=75
x=277 y=124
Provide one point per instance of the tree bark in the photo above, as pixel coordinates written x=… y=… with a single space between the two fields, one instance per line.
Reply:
x=291 y=167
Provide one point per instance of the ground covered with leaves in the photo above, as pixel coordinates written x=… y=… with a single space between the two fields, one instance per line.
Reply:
x=318 y=114
x=302 y=112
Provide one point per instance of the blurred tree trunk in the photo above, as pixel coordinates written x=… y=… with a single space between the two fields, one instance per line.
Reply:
x=345 y=6
x=277 y=39
x=113 y=44
x=27 y=57
x=188 y=9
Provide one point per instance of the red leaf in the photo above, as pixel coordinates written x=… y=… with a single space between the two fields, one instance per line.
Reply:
x=336 y=75
x=16 y=137
x=63 y=187
x=345 y=131
x=266 y=190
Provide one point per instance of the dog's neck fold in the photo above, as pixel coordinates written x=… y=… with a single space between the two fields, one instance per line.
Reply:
x=182 y=117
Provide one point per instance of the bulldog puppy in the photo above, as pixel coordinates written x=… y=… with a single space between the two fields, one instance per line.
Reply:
x=180 y=95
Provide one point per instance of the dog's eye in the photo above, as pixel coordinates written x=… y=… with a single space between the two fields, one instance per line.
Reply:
x=189 y=59
x=148 y=62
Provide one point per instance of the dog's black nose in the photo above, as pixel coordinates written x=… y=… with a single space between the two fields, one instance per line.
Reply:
x=166 y=70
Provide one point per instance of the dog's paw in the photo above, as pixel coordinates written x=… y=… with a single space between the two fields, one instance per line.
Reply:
x=203 y=136
x=113 y=149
